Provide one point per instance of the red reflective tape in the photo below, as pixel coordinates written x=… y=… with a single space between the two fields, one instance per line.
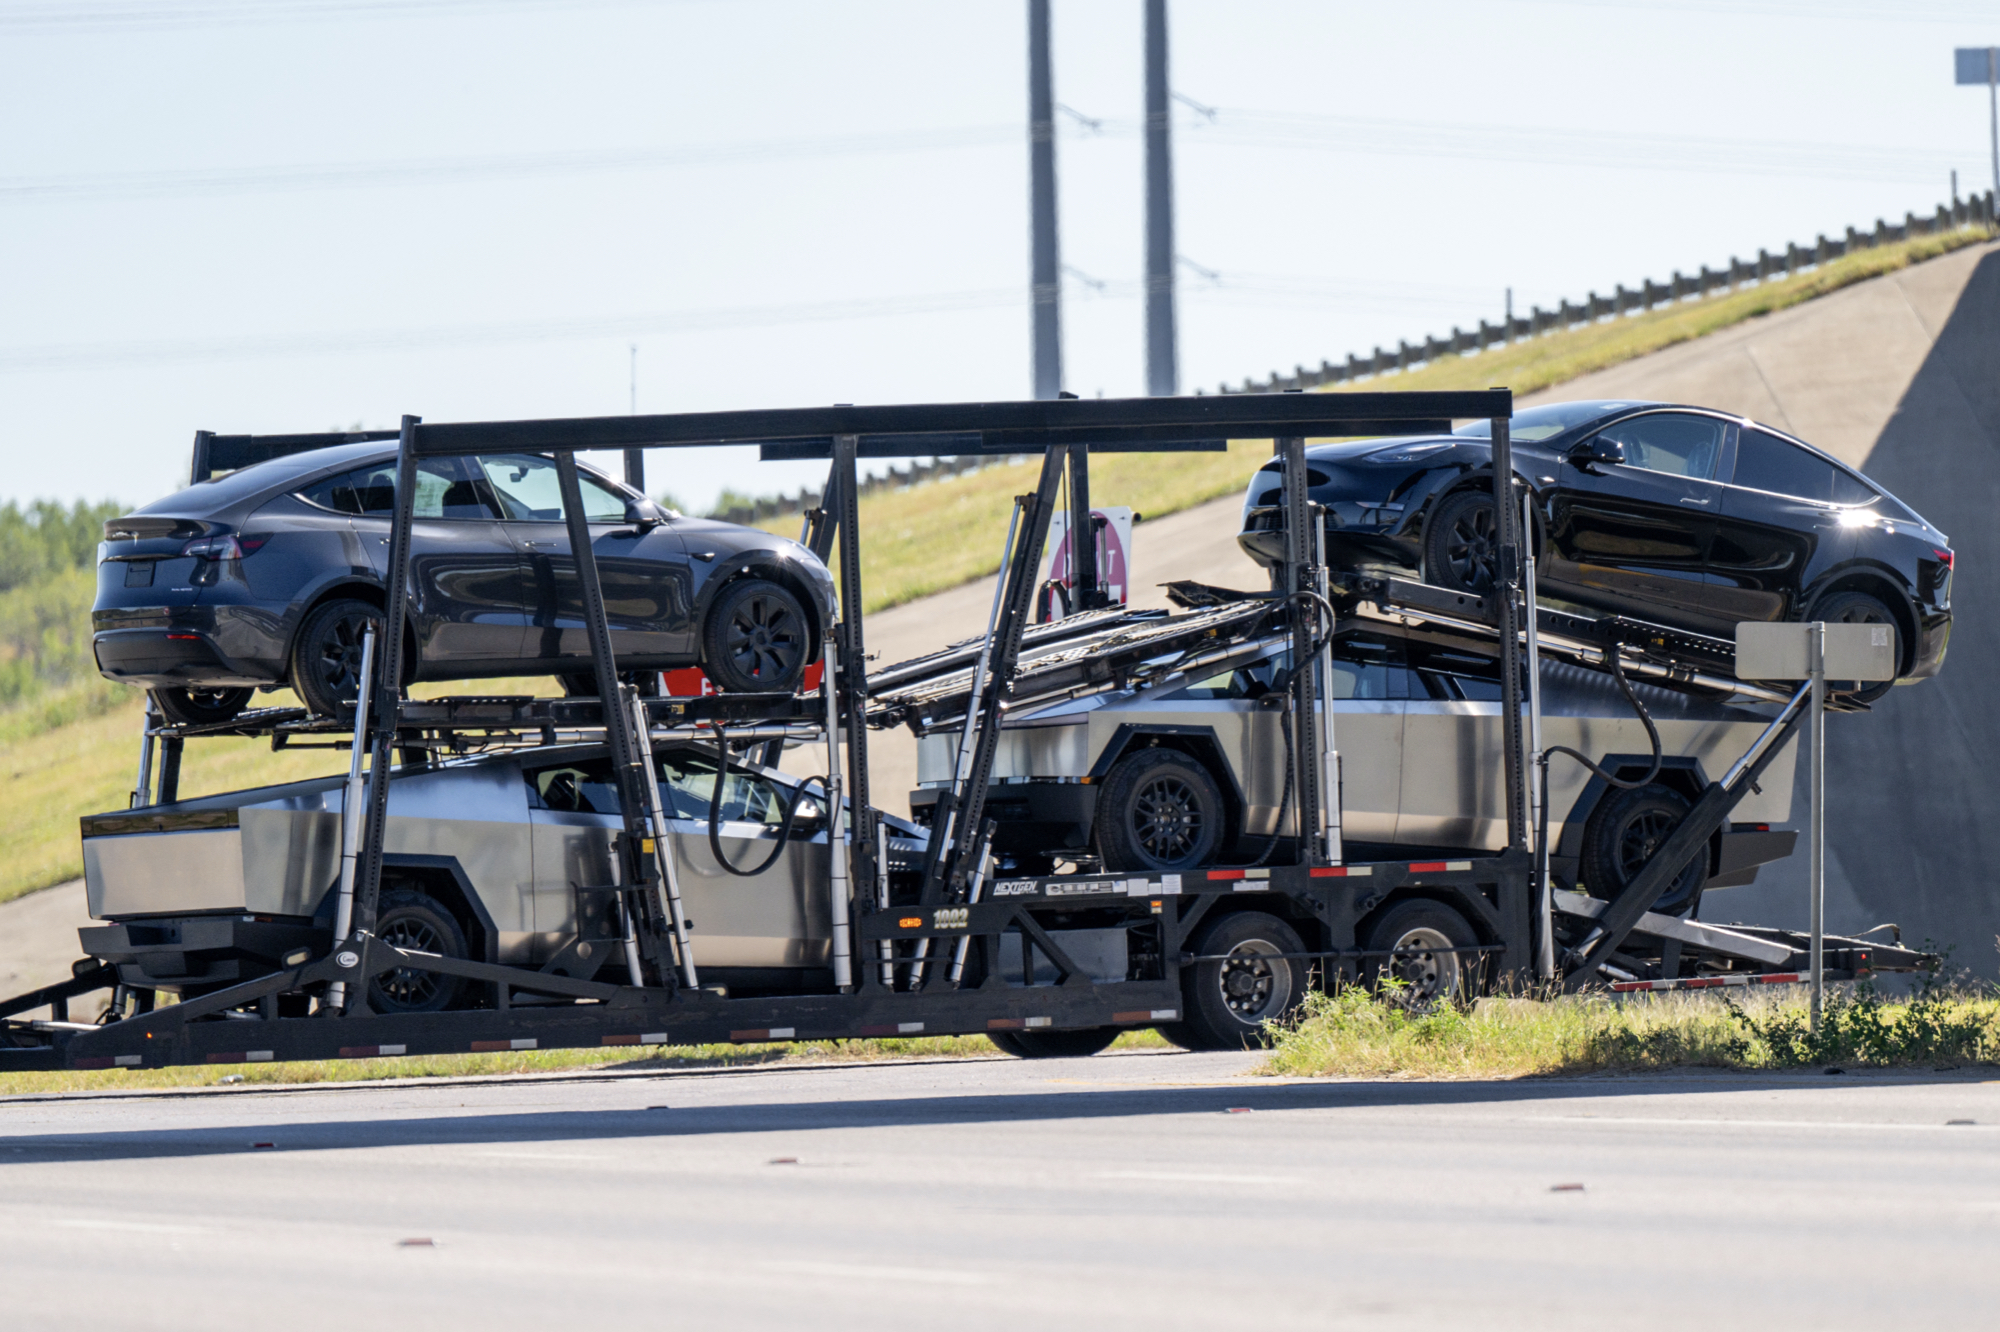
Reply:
x=488 y=1047
x=751 y=1034
x=890 y=1030
x=1225 y=874
x=359 y=1051
x=1327 y=872
x=1005 y=1024
x=1427 y=866
x=621 y=1040
x=1140 y=1015
x=235 y=1058
x=104 y=1062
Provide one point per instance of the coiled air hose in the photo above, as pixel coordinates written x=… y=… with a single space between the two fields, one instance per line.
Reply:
x=715 y=812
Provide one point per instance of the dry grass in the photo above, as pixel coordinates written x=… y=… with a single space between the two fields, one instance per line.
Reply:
x=1357 y=1034
x=663 y=1059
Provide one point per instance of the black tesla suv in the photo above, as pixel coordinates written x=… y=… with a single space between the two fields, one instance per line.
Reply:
x=1676 y=515
x=268 y=576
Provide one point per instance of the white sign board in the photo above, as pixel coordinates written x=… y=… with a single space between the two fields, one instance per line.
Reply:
x=1784 y=651
x=1114 y=551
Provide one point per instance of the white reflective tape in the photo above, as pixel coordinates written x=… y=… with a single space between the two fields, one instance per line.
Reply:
x=1170 y=885
x=1263 y=873
x=128 y=1061
x=1360 y=871
x=905 y=1027
x=1039 y=1022
x=258 y=1056
x=780 y=1033
x=1250 y=886
x=392 y=1049
x=1138 y=888
x=1458 y=864
x=1166 y=1014
x=653 y=1038
x=521 y=1043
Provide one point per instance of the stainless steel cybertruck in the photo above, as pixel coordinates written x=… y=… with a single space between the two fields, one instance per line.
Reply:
x=1193 y=769
x=502 y=858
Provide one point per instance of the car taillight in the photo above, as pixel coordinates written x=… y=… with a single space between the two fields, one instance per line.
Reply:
x=222 y=547
x=1944 y=555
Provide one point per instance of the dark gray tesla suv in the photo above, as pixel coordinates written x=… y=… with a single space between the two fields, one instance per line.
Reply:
x=267 y=576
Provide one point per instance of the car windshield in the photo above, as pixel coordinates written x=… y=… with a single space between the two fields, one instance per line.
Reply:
x=1539 y=423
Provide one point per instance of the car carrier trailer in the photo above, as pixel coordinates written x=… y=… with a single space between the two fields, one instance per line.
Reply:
x=950 y=949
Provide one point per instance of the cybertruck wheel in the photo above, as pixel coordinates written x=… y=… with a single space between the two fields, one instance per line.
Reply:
x=1462 y=544
x=200 y=707
x=326 y=656
x=1160 y=811
x=1622 y=834
x=1226 y=1003
x=1054 y=1044
x=414 y=921
x=756 y=640
x=1859 y=608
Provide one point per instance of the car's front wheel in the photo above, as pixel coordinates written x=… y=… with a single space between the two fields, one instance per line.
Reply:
x=201 y=707
x=1159 y=811
x=326 y=656
x=1624 y=832
x=756 y=640
x=416 y=922
x=1462 y=544
x=1859 y=608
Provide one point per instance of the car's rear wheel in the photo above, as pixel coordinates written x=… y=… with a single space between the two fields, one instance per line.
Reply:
x=1053 y=1044
x=326 y=656
x=756 y=640
x=1624 y=832
x=414 y=921
x=1159 y=811
x=1462 y=543
x=1859 y=608
x=201 y=707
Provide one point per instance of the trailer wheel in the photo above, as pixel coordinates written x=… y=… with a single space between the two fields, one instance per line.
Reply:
x=1054 y=1044
x=201 y=707
x=1622 y=834
x=756 y=639
x=1160 y=811
x=1423 y=932
x=1228 y=1003
x=414 y=921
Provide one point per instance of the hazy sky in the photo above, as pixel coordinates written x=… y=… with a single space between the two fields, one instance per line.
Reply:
x=278 y=215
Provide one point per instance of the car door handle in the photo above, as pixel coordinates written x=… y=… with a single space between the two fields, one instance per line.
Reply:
x=1689 y=499
x=539 y=545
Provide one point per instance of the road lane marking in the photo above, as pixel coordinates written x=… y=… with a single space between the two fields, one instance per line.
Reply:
x=1190 y=1177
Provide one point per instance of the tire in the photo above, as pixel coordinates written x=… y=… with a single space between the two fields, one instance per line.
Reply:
x=1859 y=608
x=326 y=656
x=412 y=919
x=1421 y=930
x=1621 y=835
x=756 y=640
x=1461 y=544
x=1054 y=1044
x=1159 y=812
x=1226 y=1004
x=201 y=707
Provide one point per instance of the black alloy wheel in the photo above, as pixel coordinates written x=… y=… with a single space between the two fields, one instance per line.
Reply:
x=1624 y=832
x=1859 y=608
x=414 y=921
x=1053 y=1044
x=1256 y=978
x=1462 y=544
x=201 y=707
x=1159 y=811
x=756 y=640
x=326 y=658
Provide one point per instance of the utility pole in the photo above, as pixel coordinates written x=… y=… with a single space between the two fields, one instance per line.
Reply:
x=1045 y=281
x=1975 y=65
x=635 y=459
x=1163 y=374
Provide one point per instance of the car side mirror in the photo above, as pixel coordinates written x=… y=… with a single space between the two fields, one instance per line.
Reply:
x=1599 y=451
x=643 y=514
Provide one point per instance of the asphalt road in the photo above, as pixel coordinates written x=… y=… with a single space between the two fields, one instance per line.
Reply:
x=1138 y=1190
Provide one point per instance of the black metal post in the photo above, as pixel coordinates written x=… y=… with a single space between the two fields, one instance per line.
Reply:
x=635 y=469
x=200 y=468
x=169 y=785
x=852 y=683
x=387 y=695
x=1507 y=593
x=629 y=753
x=1045 y=281
x=1086 y=587
x=1162 y=356
x=1301 y=580
x=952 y=868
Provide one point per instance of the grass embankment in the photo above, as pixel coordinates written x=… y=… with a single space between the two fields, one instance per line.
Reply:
x=72 y=751
x=664 y=1059
x=1356 y=1034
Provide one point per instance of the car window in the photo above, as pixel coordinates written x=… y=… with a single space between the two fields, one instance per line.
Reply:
x=528 y=488
x=1367 y=669
x=1851 y=489
x=1765 y=462
x=446 y=488
x=687 y=781
x=1671 y=443
x=1546 y=422
x=576 y=788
